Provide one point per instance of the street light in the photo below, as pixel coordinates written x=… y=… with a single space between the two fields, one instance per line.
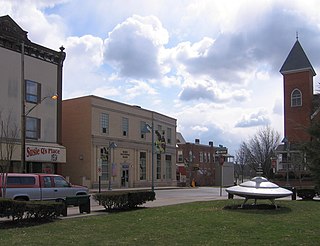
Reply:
x=147 y=129
x=112 y=146
x=24 y=114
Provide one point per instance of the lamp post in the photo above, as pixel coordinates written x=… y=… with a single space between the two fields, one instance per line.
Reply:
x=190 y=166
x=23 y=109
x=112 y=146
x=220 y=151
x=148 y=128
x=221 y=161
x=24 y=114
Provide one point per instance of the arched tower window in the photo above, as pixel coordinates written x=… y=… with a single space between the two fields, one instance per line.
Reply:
x=296 y=98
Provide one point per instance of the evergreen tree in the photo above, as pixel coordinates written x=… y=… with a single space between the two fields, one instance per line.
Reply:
x=313 y=152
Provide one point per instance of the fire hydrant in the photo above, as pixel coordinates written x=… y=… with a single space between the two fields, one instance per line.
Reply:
x=193 y=183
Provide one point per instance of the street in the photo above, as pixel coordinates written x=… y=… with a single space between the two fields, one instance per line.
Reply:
x=185 y=195
x=164 y=197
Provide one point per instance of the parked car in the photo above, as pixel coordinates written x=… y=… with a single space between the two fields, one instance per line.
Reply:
x=28 y=187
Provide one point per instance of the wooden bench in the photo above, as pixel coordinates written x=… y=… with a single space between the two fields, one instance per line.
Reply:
x=81 y=201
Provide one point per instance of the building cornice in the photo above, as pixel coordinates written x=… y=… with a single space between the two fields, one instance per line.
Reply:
x=12 y=36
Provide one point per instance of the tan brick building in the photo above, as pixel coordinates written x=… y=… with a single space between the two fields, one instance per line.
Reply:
x=107 y=139
x=30 y=74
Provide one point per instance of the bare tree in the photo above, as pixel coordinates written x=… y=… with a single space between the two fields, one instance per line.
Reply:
x=259 y=150
x=9 y=132
x=241 y=162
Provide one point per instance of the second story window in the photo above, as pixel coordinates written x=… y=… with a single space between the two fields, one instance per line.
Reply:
x=33 y=92
x=104 y=122
x=142 y=127
x=201 y=156
x=125 y=126
x=33 y=128
x=296 y=98
x=169 y=135
x=180 y=156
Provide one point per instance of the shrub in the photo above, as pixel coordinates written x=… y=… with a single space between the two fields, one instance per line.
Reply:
x=278 y=176
x=115 y=200
x=44 y=209
x=19 y=210
x=306 y=194
x=13 y=209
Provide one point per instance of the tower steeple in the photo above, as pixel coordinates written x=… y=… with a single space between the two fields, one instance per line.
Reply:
x=297 y=60
x=298 y=75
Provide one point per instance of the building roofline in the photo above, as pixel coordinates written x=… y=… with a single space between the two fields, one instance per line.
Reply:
x=12 y=36
x=296 y=60
x=117 y=102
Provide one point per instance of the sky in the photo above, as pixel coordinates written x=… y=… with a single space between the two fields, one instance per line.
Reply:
x=213 y=65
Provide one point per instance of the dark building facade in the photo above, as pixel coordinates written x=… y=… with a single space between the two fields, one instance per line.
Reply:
x=203 y=164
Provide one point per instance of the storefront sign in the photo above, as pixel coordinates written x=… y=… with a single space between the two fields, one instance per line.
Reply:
x=125 y=154
x=45 y=154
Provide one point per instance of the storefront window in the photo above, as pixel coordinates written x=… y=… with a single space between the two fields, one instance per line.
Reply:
x=104 y=164
x=158 y=166
x=168 y=167
x=143 y=166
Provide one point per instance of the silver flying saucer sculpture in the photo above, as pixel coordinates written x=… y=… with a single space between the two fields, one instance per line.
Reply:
x=259 y=188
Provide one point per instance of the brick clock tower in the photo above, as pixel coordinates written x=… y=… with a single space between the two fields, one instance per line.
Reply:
x=298 y=75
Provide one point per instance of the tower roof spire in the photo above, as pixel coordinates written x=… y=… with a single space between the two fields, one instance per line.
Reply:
x=297 y=60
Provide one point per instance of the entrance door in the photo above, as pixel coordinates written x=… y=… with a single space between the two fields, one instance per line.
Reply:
x=125 y=178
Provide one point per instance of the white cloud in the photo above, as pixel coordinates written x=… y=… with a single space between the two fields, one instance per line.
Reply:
x=278 y=107
x=200 y=128
x=139 y=88
x=133 y=46
x=85 y=51
x=106 y=92
x=254 y=119
x=211 y=91
x=82 y=67
x=47 y=30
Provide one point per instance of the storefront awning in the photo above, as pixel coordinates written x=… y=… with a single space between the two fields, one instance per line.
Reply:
x=45 y=152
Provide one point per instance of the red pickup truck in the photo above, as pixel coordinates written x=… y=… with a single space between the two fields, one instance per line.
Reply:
x=27 y=187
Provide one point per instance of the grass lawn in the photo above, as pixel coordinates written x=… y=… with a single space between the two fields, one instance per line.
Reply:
x=199 y=223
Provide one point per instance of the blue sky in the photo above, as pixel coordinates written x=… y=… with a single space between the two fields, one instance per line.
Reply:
x=212 y=65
